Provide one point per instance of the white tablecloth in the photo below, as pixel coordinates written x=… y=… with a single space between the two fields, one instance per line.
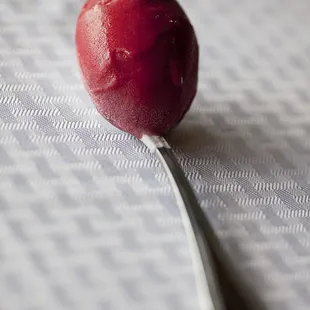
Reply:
x=87 y=217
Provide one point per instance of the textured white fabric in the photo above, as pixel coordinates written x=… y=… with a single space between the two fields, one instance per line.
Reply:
x=87 y=216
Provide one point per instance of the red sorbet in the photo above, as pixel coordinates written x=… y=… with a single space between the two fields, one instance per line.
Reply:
x=139 y=61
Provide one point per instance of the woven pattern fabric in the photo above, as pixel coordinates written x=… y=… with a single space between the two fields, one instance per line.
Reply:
x=87 y=216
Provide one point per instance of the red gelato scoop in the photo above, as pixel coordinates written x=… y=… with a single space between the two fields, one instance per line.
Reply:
x=139 y=61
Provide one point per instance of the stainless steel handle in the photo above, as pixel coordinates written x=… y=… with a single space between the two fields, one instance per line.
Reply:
x=195 y=224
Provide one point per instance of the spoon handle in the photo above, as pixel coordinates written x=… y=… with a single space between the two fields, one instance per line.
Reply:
x=195 y=223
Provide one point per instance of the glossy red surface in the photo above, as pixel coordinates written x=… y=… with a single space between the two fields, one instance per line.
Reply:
x=139 y=62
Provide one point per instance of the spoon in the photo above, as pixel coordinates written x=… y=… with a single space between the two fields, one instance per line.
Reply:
x=139 y=63
x=195 y=224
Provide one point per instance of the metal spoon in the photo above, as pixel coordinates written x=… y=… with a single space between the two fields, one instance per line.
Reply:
x=197 y=227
